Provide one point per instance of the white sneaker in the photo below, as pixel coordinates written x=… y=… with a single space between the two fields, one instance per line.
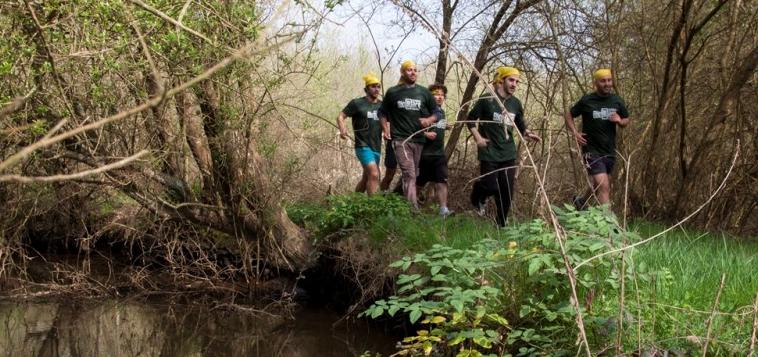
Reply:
x=444 y=212
x=480 y=209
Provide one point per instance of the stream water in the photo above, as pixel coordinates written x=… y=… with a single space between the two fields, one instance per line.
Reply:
x=139 y=328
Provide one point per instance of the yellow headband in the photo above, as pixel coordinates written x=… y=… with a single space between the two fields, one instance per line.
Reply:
x=503 y=72
x=438 y=91
x=601 y=73
x=407 y=64
x=370 y=79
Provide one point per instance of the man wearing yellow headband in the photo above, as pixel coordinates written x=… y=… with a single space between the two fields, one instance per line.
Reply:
x=496 y=146
x=406 y=109
x=601 y=112
x=367 y=131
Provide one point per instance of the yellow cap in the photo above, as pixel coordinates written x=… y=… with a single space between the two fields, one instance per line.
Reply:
x=370 y=79
x=601 y=73
x=504 y=72
x=407 y=64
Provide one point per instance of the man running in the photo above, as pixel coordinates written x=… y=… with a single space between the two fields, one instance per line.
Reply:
x=405 y=110
x=433 y=164
x=495 y=142
x=367 y=132
x=601 y=112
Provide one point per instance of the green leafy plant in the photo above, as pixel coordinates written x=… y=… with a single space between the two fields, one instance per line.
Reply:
x=341 y=213
x=501 y=297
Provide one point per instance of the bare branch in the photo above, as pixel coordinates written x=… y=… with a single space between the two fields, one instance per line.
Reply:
x=57 y=178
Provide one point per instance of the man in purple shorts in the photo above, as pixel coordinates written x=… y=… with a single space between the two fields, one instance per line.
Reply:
x=601 y=112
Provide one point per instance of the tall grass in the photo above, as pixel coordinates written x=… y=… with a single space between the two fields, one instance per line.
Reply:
x=696 y=261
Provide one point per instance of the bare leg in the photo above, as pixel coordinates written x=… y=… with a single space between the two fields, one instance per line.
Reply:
x=361 y=186
x=602 y=185
x=371 y=176
x=441 y=190
x=389 y=174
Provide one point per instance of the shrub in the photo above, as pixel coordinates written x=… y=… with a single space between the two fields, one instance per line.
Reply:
x=506 y=296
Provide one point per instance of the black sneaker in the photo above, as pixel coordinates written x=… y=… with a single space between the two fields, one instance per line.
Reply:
x=579 y=202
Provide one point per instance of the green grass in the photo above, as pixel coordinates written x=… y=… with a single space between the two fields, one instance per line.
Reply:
x=696 y=261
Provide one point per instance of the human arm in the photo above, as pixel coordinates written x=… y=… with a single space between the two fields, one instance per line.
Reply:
x=428 y=121
x=478 y=138
x=383 y=118
x=580 y=137
x=473 y=117
x=341 y=125
x=621 y=116
x=385 y=125
x=526 y=133
x=616 y=118
x=430 y=110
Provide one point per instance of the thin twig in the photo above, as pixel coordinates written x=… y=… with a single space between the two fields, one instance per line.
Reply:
x=685 y=219
x=709 y=324
x=78 y=175
x=238 y=54
x=15 y=104
x=558 y=230
x=178 y=24
x=755 y=327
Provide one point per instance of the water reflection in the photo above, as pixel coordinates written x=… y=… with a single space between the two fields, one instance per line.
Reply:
x=121 y=328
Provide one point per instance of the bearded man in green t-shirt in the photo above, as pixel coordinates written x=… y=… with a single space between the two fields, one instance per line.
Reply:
x=367 y=132
x=601 y=112
x=496 y=146
x=407 y=108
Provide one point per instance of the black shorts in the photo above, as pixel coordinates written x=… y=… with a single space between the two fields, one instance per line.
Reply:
x=599 y=164
x=432 y=169
x=390 y=161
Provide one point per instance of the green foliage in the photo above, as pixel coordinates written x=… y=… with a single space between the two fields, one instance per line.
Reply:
x=498 y=296
x=344 y=212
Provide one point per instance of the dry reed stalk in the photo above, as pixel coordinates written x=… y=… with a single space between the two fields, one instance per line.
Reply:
x=709 y=324
x=560 y=235
x=755 y=327
x=680 y=222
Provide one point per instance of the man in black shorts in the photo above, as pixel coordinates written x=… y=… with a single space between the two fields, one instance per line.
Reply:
x=601 y=112
x=497 y=151
x=433 y=164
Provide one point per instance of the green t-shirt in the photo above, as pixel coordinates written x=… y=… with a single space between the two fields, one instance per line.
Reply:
x=601 y=133
x=501 y=146
x=436 y=147
x=366 y=127
x=404 y=106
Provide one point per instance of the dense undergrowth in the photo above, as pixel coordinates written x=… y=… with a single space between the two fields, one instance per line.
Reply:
x=471 y=289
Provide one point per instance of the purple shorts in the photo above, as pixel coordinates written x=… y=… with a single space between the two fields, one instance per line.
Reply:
x=599 y=164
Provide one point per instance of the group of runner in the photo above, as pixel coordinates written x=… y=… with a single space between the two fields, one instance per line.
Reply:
x=411 y=119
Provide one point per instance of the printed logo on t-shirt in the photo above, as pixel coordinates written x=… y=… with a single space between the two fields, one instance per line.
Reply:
x=603 y=113
x=372 y=115
x=504 y=118
x=441 y=124
x=409 y=104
